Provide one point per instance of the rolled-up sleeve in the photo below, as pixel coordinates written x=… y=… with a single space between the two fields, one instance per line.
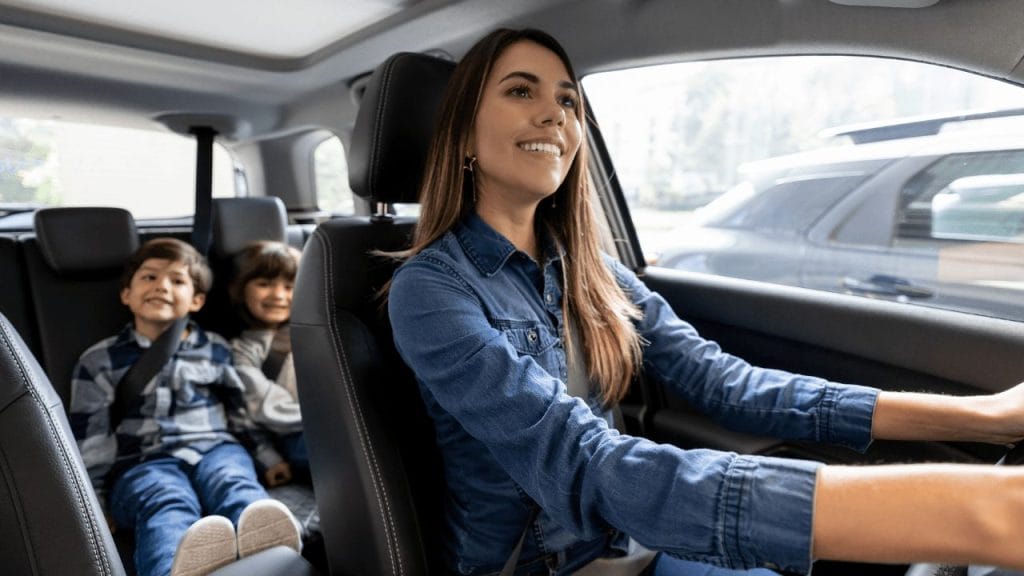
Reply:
x=738 y=395
x=714 y=507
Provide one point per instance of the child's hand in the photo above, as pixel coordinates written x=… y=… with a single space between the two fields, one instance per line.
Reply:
x=278 y=474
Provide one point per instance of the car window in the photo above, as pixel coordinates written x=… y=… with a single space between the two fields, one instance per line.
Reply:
x=331 y=170
x=55 y=163
x=876 y=177
x=977 y=196
x=333 y=193
x=783 y=205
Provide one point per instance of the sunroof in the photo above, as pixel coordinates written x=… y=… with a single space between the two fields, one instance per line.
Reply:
x=265 y=28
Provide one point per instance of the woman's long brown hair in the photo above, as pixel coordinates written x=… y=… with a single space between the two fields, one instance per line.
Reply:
x=602 y=312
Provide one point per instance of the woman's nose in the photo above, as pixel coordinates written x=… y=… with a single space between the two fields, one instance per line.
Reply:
x=551 y=114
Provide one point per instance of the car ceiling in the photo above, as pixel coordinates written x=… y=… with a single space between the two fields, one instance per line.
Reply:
x=273 y=72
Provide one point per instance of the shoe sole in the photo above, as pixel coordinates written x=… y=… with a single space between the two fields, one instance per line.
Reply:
x=208 y=545
x=265 y=524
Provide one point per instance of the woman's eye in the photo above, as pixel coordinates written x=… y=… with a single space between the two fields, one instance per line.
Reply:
x=519 y=91
x=568 y=101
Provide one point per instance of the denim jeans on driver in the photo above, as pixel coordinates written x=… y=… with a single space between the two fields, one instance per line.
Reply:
x=161 y=498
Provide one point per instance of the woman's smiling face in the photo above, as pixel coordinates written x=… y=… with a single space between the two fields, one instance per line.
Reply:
x=527 y=130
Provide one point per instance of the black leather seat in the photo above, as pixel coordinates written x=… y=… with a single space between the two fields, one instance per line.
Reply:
x=235 y=222
x=74 y=266
x=375 y=466
x=50 y=521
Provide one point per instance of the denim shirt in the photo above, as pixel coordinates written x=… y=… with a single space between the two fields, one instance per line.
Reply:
x=480 y=324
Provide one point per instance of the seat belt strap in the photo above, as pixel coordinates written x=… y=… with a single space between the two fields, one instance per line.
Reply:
x=510 y=565
x=280 y=348
x=145 y=368
x=272 y=366
x=202 y=228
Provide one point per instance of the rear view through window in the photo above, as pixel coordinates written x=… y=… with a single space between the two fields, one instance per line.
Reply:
x=881 y=178
x=151 y=173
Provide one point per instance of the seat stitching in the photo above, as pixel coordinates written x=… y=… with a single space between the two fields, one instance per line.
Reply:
x=367 y=447
x=99 y=551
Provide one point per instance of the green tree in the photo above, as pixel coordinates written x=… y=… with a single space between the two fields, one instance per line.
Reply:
x=24 y=150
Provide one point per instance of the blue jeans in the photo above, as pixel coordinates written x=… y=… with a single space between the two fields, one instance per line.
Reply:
x=293 y=447
x=665 y=565
x=161 y=498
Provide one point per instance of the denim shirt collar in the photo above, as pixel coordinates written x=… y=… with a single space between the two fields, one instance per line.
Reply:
x=488 y=250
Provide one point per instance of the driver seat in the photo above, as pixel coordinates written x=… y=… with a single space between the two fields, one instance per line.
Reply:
x=375 y=466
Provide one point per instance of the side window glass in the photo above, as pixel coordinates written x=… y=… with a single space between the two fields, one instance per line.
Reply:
x=55 y=163
x=874 y=177
x=331 y=171
x=977 y=197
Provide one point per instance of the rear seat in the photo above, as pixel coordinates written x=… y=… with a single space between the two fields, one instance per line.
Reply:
x=236 y=223
x=61 y=292
x=61 y=284
x=15 y=297
x=74 y=263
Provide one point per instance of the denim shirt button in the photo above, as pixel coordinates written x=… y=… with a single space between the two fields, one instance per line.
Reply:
x=549 y=298
x=531 y=335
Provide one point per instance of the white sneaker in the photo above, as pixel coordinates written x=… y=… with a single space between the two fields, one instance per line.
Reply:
x=265 y=524
x=208 y=544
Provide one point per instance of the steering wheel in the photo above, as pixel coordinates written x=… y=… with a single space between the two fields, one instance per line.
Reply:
x=1013 y=457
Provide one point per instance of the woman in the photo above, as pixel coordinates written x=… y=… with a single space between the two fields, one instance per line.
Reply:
x=523 y=336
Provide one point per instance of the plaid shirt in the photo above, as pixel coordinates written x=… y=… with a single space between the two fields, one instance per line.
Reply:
x=192 y=405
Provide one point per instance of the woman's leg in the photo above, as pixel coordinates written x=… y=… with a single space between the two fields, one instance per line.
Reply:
x=225 y=481
x=665 y=565
x=157 y=500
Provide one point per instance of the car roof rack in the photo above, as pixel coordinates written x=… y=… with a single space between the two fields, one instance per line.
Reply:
x=912 y=127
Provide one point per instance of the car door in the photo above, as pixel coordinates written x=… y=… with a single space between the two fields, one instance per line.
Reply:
x=842 y=337
x=908 y=236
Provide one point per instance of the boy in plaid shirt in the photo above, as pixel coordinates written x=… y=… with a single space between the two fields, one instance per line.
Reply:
x=175 y=454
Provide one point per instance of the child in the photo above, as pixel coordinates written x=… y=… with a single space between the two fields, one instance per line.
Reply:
x=173 y=455
x=262 y=293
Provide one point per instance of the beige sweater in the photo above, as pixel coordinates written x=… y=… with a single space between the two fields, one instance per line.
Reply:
x=274 y=404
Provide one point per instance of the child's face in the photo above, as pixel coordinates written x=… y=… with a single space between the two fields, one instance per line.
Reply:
x=269 y=300
x=161 y=291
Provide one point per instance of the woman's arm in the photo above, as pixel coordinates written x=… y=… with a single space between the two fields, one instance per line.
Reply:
x=996 y=418
x=950 y=513
x=738 y=395
x=703 y=505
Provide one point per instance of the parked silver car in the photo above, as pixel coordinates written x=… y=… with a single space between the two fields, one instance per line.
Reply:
x=826 y=220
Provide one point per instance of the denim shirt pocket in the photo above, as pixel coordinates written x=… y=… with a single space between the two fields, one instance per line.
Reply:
x=528 y=337
x=536 y=340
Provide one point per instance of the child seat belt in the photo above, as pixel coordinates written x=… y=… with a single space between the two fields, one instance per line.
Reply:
x=130 y=387
x=280 y=348
x=156 y=356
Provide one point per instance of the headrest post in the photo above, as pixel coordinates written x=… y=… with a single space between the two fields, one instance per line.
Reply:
x=384 y=211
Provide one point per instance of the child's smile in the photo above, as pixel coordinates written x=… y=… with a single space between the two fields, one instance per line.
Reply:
x=161 y=291
x=269 y=300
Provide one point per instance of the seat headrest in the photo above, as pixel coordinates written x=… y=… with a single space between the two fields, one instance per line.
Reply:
x=85 y=239
x=394 y=126
x=239 y=221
